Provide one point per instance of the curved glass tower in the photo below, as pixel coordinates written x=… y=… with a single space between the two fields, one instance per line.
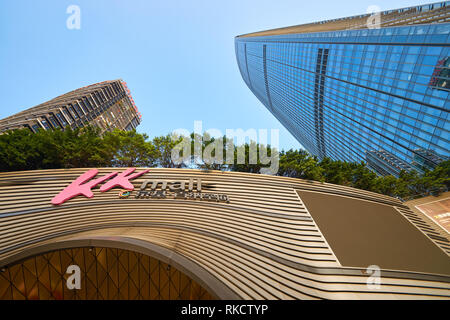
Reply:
x=352 y=90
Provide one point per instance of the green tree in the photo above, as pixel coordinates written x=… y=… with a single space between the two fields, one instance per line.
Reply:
x=76 y=148
x=163 y=149
x=387 y=185
x=300 y=164
x=23 y=150
x=18 y=151
x=130 y=149
x=363 y=178
x=337 y=172
x=214 y=152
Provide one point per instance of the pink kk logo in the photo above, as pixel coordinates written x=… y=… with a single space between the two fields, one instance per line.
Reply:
x=83 y=184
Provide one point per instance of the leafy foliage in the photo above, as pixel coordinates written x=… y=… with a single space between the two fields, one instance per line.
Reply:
x=24 y=150
x=130 y=149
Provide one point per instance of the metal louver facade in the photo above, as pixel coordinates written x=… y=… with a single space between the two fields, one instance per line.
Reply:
x=276 y=237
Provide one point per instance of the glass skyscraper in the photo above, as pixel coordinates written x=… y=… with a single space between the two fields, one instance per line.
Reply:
x=351 y=90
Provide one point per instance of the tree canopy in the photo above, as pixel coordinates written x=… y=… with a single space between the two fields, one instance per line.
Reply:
x=24 y=150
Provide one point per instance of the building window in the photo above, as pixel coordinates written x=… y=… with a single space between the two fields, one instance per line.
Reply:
x=92 y=103
x=68 y=116
x=53 y=122
x=99 y=98
x=61 y=119
x=83 y=107
x=72 y=112
x=45 y=124
x=88 y=104
x=441 y=74
x=78 y=109
x=36 y=127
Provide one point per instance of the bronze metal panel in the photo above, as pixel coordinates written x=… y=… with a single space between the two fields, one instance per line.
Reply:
x=363 y=233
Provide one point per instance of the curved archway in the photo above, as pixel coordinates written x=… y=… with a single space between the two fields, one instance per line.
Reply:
x=128 y=268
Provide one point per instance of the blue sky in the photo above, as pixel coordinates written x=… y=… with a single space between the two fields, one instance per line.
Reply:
x=177 y=56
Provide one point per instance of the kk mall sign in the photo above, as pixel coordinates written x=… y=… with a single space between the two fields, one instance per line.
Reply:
x=150 y=189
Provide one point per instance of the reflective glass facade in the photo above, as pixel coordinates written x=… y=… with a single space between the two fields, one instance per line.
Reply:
x=346 y=93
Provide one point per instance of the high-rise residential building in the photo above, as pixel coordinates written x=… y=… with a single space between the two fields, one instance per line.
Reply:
x=352 y=87
x=107 y=105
